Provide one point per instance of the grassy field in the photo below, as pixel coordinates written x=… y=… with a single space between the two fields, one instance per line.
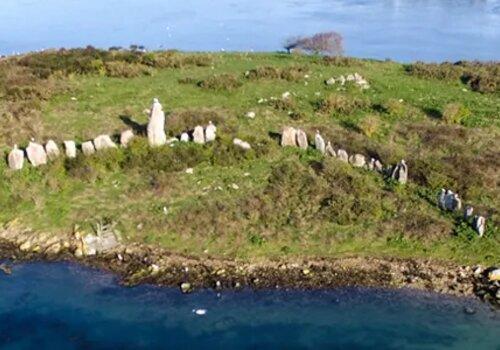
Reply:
x=268 y=202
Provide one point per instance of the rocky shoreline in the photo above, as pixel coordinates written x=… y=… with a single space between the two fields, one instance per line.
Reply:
x=139 y=263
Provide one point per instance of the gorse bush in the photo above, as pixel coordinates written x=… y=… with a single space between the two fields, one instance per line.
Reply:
x=455 y=113
x=221 y=82
x=369 y=125
x=292 y=73
x=480 y=76
x=126 y=70
x=341 y=104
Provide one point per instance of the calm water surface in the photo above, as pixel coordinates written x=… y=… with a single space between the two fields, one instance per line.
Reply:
x=64 y=306
x=404 y=30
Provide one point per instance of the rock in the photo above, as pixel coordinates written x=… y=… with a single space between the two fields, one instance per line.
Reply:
x=199 y=135
x=357 y=160
x=494 y=275
x=330 y=81
x=378 y=166
x=184 y=137
x=448 y=200
x=329 y=150
x=54 y=249
x=250 y=115
x=172 y=141
x=88 y=148
x=242 y=144
x=342 y=155
x=6 y=269
x=350 y=77
x=319 y=142
x=16 y=159
x=105 y=240
x=70 y=149
x=302 y=139
x=186 y=287
x=479 y=224
x=210 y=131
x=156 y=125
x=400 y=172
x=286 y=95
x=200 y=312
x=468 y=211
x=125 y=137
x=36 y=154
x=52 y=150
x=102 y=142
x=189 y=171
x=289 y=137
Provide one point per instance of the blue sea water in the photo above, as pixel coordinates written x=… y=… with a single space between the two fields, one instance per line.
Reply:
x=66 y=306
x=403 y=30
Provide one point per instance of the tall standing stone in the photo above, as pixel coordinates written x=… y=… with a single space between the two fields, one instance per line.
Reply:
x=103 y=142
x=319 y=142
x=400 y=172
x=36 y=154
x=88 y=148
x=70 y=149
x=210 y=131
x=125 y=137
x=156 y=125
x=479 y=224
x=199 y=135
x=289 y=136
x=16 y=158
x=302 y=139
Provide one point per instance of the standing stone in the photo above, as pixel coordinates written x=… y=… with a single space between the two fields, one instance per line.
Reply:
x=442 y=199
x=210 y=131
x=468 y=212
x=289 y=137
x=371 y=164
x=88 y=148
x=302 y=139
x=185 y=137
x=319 y=142
x=378 y=166
x=343 y=156
x=242 y=144
x=36 y=154
x=199 y=135
x=479 y=224
x=70 y=148
x=16 y=158
x=450 y=201
x=156 y=125
x=400 y=172
x=357 y=160
x=329 y=150
x=103 y=142
x=52 y=150
x=125 y=137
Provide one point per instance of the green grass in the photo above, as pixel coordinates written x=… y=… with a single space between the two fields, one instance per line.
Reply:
x=289 y=202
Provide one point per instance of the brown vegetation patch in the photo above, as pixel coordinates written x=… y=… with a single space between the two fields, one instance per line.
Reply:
x=292 y=73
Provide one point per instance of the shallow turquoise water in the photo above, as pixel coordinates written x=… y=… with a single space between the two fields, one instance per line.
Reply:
x=65 y=306
x=404 y=30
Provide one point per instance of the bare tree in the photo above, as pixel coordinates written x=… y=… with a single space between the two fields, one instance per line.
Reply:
x=330 y=43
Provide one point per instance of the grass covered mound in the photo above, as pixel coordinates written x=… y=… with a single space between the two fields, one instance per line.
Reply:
x=270 y=201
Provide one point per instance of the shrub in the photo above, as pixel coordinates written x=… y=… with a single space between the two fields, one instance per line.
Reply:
x=341 y=61
x=341 y=104
x=369 y=125
x=292 y=73
x=126 y=70
x=455 y=113
x=186 y=119
x=221 y=82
